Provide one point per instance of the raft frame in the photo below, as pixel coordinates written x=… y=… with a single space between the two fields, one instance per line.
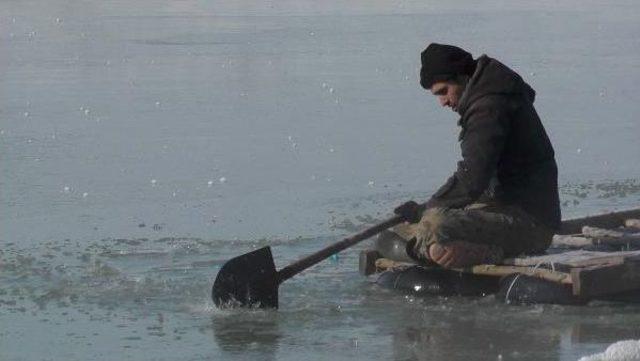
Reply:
x=589 y=274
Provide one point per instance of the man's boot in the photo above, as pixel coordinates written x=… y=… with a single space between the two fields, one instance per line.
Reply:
x=391 y=246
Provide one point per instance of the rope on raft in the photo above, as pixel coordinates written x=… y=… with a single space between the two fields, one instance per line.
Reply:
x=513 y=282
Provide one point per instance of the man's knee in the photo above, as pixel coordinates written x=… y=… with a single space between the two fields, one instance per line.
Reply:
x=433 y=227
x=430 y=222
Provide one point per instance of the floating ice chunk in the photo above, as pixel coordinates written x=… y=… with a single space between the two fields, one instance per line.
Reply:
x=58 y=20
x=85 y=195
x=312 y=33
x=2 y=132
x=222 y=179
x=627 y=350
x=26 y=114
x=371 y=183
x=157 y=104
x=533 y=73
x=579 y=150
x=331 y=150
x=293 y=144
x=153 y=182
x=331 y=90
x=209 y=183
x=324 y=85
x=66 y=189
x=87 y=111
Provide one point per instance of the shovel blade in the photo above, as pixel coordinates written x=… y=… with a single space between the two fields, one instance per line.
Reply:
x=250 y=280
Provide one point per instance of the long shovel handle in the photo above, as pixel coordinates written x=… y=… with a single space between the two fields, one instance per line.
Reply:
x=306 y=262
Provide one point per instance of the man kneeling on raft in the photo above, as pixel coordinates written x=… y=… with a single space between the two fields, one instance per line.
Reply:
x=502 y=200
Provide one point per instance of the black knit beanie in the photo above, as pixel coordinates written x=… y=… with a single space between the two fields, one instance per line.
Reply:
x=442 y=62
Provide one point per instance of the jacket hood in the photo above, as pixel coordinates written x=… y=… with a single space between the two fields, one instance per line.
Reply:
x=491 y=77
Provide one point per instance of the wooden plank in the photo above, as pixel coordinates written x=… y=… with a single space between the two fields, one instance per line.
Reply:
x=598 y=261
x=612 y=237
x=500 y=271
x=631 y=241
x=384 y=264
x=577 y=241
x=573 y=259
x=367 y=262
x=558 y=258
x=596 y=232
x=601 y=233
x=606 y=279
x=608 y=220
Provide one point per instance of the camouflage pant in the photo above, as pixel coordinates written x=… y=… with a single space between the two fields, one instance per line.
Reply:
x=508 y=227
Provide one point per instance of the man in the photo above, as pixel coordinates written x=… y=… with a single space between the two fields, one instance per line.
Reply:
x=503 y=198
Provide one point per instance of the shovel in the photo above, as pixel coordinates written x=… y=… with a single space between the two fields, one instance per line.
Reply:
x=251 y=280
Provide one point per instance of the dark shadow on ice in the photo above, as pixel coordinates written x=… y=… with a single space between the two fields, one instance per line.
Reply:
x=248 y=332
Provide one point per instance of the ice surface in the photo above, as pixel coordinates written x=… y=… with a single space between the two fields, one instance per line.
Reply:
x=223 y=126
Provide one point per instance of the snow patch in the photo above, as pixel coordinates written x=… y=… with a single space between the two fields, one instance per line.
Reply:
x=628 y=350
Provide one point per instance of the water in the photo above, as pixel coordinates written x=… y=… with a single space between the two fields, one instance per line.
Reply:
x=141 y=146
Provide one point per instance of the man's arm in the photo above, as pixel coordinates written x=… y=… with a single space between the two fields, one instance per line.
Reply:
x=483 y=136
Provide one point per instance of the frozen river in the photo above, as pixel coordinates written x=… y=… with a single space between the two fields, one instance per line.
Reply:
x=142 y=144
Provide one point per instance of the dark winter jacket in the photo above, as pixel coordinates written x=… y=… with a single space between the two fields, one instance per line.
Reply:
x=507 y=157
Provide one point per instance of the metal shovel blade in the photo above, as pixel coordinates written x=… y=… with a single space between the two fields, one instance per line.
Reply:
x=250 y=280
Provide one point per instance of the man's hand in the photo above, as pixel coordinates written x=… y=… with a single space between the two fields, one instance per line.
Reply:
x=410 y=211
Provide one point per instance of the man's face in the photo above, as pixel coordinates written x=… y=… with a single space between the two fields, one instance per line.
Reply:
x=448 y=93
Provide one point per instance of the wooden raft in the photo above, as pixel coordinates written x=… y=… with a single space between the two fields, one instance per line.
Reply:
x=589 y=273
